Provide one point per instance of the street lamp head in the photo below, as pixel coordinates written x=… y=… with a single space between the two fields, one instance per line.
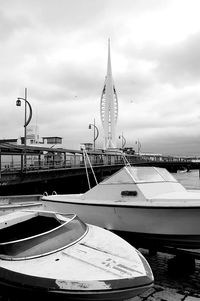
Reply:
x=18 y=102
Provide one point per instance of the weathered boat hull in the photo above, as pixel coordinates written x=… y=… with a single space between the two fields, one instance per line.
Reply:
x=172 y=226
x=45 y=254
x=24 y=288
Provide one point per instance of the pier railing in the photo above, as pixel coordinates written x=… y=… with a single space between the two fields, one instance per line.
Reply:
x=12 y=163
x=42 y=165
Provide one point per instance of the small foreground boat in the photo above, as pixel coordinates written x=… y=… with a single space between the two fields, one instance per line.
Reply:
x=54 y=256
x=142 y=204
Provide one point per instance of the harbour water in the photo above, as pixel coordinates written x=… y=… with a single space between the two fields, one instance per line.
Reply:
x=189 y=180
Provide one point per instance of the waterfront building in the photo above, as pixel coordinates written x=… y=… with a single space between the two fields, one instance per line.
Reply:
x=109 y=107
x=52 y=140
x=87 y=146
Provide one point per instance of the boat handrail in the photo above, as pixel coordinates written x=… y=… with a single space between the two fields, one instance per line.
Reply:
x=86 y=158
x=12 y=258
x=126 y=162
x=45 y=247
x=40 y=234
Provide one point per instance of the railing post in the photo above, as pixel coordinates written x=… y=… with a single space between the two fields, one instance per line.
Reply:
x=39 y=161
x=0 y=165
x=53 y=160
x=64 y=159
x=22 y=162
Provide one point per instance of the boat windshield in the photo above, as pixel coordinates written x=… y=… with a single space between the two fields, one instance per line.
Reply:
x=140 y=174
x=151 y=174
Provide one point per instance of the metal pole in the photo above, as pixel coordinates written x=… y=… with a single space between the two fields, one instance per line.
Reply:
x=26 y=122
x=0 y=165
x=25 y=97
x=123 y=140
x=94 y=134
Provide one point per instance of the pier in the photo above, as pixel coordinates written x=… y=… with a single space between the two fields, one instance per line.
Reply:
x=23 y=167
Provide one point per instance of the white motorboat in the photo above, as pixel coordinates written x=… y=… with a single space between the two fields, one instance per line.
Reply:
x=144 y=204
x=53 y=256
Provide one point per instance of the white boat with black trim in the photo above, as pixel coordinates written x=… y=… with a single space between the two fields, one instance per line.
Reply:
x=144 y=204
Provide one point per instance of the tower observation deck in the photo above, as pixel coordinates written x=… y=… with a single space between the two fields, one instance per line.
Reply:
x=109 y=107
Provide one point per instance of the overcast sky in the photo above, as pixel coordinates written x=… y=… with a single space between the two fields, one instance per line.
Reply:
x=58 y=50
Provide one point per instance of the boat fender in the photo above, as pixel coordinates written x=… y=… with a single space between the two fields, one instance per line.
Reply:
x=128 y=193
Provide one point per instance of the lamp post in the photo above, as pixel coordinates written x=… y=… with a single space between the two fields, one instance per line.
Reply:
x=123 y=140
x=138 y=145
x=26 y=121
x=96 y=132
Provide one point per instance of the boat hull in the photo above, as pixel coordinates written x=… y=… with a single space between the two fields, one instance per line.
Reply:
x=62 y=258
x=171 y=226
x=32 y=291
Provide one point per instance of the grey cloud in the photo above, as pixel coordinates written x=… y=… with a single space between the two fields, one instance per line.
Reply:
x=65 y=82
x=178 y=64
x=61 y=15
x=11 y=24
x=181 y=64
x=174 y=145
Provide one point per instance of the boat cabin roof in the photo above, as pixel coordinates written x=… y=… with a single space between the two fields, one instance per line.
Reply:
x=142 y=174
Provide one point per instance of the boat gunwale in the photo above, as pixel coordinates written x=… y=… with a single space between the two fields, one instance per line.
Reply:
x=123 y=204
x=20 y=205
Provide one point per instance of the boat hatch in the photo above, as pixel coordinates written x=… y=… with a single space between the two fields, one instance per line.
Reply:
x=40 y=235
x=140 y=175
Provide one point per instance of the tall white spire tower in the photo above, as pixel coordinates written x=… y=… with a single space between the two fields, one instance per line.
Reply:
x=109 y=107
